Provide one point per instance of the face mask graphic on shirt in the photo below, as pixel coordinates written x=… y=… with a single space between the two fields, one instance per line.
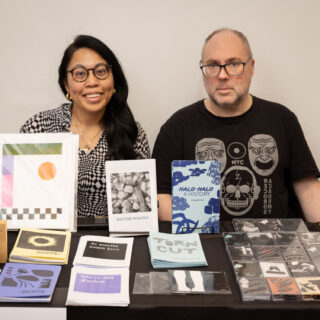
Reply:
x=263 y=154
x=209 y=149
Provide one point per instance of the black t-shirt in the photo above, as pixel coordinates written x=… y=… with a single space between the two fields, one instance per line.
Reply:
x=261 y=151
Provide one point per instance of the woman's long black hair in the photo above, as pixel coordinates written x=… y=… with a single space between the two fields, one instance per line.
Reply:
x=118 y=119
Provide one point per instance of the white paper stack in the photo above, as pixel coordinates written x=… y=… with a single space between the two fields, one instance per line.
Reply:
x=98 y=287
x=176 y=250
x=104 y=252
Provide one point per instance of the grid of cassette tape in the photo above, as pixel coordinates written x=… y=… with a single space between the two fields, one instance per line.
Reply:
x=275 y=259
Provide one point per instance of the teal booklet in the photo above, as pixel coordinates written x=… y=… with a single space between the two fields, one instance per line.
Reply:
x=26 y=282
x=195 y=196
x=176 y=250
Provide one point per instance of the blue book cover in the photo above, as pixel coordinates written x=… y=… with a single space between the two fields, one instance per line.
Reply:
x=195 y=196
x=25 y=280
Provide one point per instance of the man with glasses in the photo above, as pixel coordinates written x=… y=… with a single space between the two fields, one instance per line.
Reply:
x=266 y=165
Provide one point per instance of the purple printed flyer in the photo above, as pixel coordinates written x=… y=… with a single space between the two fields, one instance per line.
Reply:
x=97 y=283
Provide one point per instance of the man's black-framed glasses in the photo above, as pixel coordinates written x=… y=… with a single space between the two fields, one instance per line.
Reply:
x=232 y=69
x=101 y=71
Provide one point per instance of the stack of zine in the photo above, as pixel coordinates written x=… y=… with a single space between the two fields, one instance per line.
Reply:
x=176 y=250
x=21 y=282
x=100 y=273
x=275 y=259
x=41 y=246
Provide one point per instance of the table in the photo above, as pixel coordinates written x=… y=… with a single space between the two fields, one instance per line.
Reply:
x=174 y=307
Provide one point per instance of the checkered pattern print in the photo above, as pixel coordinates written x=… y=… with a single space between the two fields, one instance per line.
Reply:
x=14 y=214
x=92 y=197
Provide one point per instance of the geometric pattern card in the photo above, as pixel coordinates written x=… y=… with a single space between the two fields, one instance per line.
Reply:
x=286 y=238
x=261 y=238
x=274 y=269
x=253 y=289
x=309 y=237
x=195 y=196
x=38 y=177
x=132 y=196
x=309 y=287
x=247 y=269
x=283 y=289
x=302 y=269
x=19 y=280
x=267 y=253
x=293 y=225
x=295 y=252
x=241 y=253
x=245 y=225
x=269 y=224
x=236 y=239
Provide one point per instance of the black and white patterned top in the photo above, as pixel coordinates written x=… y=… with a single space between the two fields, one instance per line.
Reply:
x=92 y=197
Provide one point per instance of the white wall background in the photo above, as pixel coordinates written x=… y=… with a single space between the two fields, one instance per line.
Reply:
x=158 y=42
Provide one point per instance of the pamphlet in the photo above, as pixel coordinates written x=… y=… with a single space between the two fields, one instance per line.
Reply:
x=99 y=251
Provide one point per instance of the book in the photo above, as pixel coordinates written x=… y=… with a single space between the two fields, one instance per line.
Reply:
x=240 y=253
x=261 y=238
x=98 y=287
x=176 y=250
x=22 y=282
x=195 y=196
x=99 y=251
x=283 y=289
x=38 y=180
x=247 y=269
x=132 y=197
x=274 y=269
x=254 y=289
x=245 y=225
x=236 y=239
x=309 y=288
x=41 y=246
x=3 y=241
x=267 y=253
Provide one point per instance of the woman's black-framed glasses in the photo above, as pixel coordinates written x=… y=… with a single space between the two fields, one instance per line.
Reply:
x=232 y=68
x=101 y=71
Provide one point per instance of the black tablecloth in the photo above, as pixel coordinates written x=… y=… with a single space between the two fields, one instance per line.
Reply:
x=180 y=306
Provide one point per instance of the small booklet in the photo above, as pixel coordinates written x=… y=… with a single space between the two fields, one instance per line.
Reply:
x=41 y=246
x=176 y=250
x=132 y=197
x=98 y=287
x=21 y=282
x=99 y=251
x=195 y=196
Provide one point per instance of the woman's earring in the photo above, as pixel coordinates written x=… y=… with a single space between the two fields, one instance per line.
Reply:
x=114 y=91
x=68 y=96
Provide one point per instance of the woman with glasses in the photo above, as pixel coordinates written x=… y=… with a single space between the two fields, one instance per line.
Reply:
x=92 y=80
